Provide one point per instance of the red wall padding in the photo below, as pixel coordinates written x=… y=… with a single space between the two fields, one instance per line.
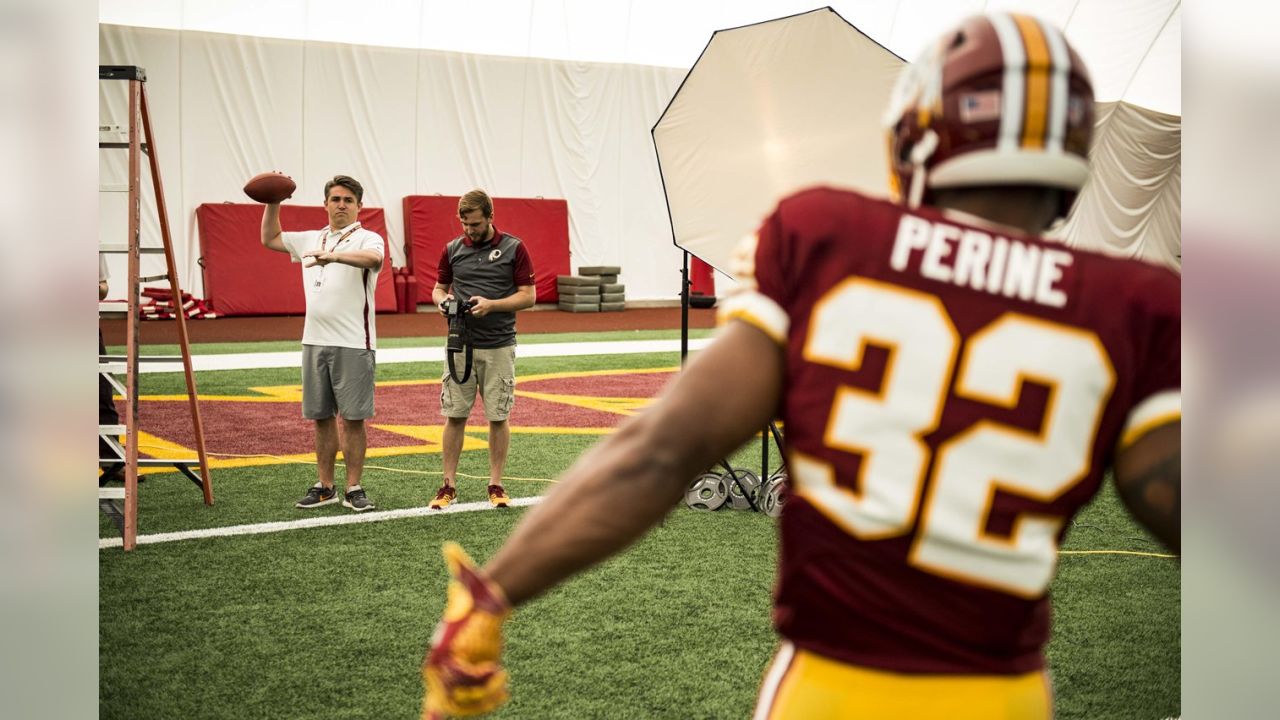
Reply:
x=701 y=277
x=431 y=221
x=243 y=278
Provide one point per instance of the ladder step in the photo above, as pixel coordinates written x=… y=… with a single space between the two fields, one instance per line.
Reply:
x=117 y=308
x=124 y=248
x=111 y=429
x=155 y=462
x=114 y=368
x=111 y=493
x=122 y=146
x=141 y=358
x=153 y=278
x=122 y=72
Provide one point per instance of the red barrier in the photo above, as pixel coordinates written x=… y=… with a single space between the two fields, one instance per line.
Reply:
x=701 y=277
x=398 y=276
x=243 y=278
x=431 y=221
x=411 y=293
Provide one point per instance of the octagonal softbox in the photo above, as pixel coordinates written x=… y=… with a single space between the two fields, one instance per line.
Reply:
x=769 y=109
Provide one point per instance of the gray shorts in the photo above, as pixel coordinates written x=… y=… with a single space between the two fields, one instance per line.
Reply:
x=337 y=380
x=493 y=372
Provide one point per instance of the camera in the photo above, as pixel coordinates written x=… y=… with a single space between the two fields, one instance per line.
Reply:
x=459 y=339
x=459 y=331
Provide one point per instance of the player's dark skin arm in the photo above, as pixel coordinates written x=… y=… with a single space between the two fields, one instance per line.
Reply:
x=1149 y=478
x=622 y=487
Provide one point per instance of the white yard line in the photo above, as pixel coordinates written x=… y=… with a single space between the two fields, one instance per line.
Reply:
x=293 y=358
x=312 y=522
x=248 y=361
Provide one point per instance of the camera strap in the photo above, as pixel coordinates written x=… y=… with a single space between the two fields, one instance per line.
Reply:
x=466 y=369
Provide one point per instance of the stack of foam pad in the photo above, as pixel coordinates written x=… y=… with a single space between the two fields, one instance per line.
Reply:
x=593 y=289
x=406 y=289
x=158 y=304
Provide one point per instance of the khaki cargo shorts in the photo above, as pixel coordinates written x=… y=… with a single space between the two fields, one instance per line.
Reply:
x=493 y=373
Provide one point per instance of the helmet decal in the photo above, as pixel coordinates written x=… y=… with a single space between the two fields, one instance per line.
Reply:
x=1000 y=100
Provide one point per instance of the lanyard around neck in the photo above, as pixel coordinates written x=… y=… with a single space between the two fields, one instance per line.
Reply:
x=324 y=239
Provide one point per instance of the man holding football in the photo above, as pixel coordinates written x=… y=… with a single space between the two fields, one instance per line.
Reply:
x=339 y=277
x=956 y=388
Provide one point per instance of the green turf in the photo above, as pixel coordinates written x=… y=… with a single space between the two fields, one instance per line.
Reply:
x=331 y=622
x=1116 y=649
x=236 y=382
x=525 y=339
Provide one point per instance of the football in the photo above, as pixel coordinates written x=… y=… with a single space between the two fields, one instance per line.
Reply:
x=270 y=187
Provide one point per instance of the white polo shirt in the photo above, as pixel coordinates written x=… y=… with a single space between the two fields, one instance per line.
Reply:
x=340 y=303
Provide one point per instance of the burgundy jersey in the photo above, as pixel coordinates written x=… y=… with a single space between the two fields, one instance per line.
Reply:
x=953 y=395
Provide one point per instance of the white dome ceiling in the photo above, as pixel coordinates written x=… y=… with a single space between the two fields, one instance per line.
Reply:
x=1133 y=47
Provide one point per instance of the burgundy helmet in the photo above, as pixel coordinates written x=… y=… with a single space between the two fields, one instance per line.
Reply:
x=1002 y=99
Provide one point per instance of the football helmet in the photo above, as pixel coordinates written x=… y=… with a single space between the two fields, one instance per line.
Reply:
x=1002 y=99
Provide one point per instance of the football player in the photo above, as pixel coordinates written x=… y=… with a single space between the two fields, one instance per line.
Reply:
x=953 y=387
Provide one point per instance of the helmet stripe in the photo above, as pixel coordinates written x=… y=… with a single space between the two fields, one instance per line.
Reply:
x=1012 y=89
x=895 y=182
x=1033 y=127
x=1060 y=87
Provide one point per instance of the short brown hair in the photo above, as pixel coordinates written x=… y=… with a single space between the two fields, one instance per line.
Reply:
x=475 y=200
x=347 y=182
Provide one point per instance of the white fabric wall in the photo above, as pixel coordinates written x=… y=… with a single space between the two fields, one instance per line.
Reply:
x=403 y=122
x=1132 y=204
x=1132 y=47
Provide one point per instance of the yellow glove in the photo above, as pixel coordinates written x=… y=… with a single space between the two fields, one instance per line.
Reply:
x=461 y=672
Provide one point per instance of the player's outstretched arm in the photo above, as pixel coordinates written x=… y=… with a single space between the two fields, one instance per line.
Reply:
x=1148 y=476
x=618 y=490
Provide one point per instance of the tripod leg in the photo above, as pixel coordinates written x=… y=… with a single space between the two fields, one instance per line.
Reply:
x=743 y=488
x=777 y=437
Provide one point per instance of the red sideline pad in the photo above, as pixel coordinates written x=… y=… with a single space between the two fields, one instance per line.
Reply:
x=431 y=221
x=243 y=278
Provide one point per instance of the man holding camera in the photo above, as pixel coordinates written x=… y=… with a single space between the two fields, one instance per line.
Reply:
x=485 y=275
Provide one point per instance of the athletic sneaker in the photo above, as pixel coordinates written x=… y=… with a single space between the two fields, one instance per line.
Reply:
x=115 y=474
x=357 y=500
x=318 y=495
x=112 y=473
x=444 y=496
x=498 y=496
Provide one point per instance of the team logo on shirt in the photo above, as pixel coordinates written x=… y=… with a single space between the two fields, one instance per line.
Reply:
x=495 y=255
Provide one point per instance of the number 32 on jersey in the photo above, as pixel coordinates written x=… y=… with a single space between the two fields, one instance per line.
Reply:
x=886 y=429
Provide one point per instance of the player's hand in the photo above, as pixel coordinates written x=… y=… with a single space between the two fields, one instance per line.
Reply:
x=319 y=257
x=481 y=306
x=461 y=673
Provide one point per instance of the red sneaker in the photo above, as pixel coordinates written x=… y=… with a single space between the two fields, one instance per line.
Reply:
x=498 y=496
x=444 y=496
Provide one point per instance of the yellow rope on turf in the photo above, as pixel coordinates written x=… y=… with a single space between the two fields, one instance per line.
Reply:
x=287 y=461
x=1116 y=552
